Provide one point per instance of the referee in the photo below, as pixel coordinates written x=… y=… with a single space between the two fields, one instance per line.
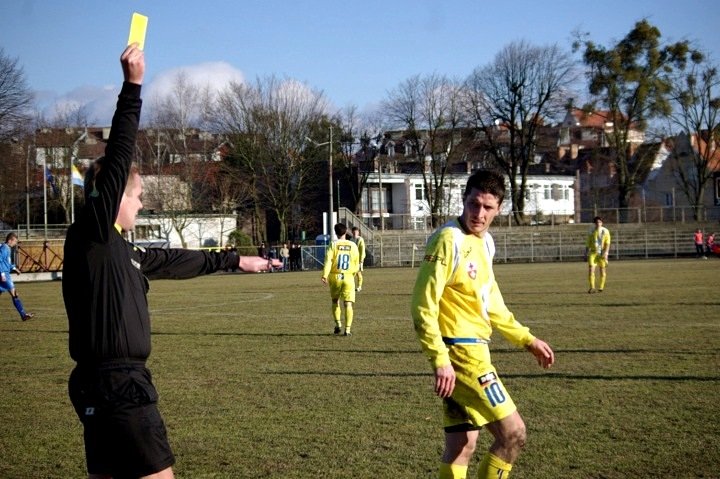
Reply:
x=105 y=285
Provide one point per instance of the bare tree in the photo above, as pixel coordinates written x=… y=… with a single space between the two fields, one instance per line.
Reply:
x=15 y=98
x=368 y=134
x=356 y=153
x=428 y=109
x=632 y=78
x=510 y=98
x=696 y=97
x=268 y=124
x=15 y=121
x=180 y=153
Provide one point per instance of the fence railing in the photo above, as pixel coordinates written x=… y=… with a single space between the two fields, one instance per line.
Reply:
x=513 y=244
x=543 y=244
x=636 y=215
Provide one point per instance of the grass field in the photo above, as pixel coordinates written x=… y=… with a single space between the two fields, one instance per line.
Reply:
x=253 y=385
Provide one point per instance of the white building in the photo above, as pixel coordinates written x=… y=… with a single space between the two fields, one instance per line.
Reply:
x=401 y=199
x=197 y=230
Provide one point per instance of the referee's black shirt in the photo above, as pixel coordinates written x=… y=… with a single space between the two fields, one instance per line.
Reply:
x=104 y=280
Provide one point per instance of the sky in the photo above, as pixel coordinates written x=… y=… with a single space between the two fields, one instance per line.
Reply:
x=354 y=51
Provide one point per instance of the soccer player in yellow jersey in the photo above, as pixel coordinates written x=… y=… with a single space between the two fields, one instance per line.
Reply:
x=341 y=265
x=456 y=304
x=360 y=242
x=597 y=249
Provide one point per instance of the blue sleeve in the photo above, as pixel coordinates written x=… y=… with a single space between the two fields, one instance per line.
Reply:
x=5 y=263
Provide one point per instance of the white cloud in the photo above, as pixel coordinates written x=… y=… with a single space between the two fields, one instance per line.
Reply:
x=98 y=103
x=216 y=75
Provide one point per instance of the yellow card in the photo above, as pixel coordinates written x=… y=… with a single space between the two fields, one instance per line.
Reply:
x=138 y=25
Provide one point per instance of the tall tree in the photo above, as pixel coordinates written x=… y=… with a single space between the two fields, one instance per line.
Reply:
x=268 y=124
x=510 y=98
x=428 y=109
x=350 y=132
x=15 y=120
x=15 y=98
x=632 y=79
x=695 y=96
x=183 y=152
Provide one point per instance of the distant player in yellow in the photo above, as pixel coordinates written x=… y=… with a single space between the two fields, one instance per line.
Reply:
x=341 y=264
x=360 y=242
x=597 y=248
x=456 y=304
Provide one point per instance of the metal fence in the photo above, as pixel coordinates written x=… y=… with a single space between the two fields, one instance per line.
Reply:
x=545 y=244
x=666 y=215
x=513 y=244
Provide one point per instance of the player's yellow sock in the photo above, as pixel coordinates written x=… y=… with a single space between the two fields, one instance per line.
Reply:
x=452 y=471
x=359 y=279
x=336 y=313
x=492 y=467
x=603 y=277
x=591 y=280
x=349 y=313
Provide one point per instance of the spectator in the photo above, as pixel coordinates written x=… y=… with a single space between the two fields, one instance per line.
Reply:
x=285 y=256
x=709 y=244
x=699 y=244
x=262 y=250
x=295 y=257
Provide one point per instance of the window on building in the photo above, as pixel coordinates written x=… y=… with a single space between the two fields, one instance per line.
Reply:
x=408 y=148
x=546 y=192
x=419 y=192
x=556 y=192
x=147 y=231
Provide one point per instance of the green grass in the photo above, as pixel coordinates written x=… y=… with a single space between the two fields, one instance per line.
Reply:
x=253 y=385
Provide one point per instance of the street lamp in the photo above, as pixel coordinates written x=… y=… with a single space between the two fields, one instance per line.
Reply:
x=330 y=180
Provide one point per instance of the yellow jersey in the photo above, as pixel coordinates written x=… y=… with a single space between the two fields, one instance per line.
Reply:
x=456 y=298
x=341 y=257
x=598 y=241
x=360 y=242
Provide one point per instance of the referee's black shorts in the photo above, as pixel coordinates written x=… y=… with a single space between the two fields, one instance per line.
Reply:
x=124 y=433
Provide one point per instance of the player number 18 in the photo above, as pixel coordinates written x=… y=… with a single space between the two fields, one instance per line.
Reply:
x=343 y=262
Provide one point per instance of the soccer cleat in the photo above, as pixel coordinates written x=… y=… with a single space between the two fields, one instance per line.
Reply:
x=591 y=291
x=599 y=290
x=359 y=288
x=27 y=316
x=348 y=333
x=337 y=330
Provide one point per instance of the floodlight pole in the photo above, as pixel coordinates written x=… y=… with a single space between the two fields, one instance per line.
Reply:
x=330 y=224
x=330 y=186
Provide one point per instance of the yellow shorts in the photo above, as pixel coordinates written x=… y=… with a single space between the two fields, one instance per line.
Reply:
x=479 y=396
x=342 y=286
x=596 y=259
